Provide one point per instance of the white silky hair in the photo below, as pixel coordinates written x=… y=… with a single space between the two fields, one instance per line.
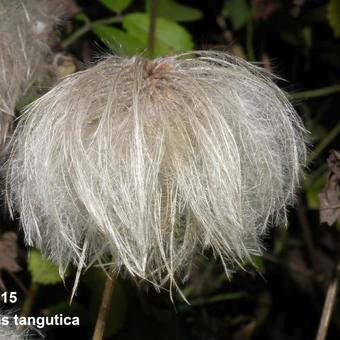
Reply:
x=10 y=331
x=141 y=164
x=7 y=333
x=25 y=27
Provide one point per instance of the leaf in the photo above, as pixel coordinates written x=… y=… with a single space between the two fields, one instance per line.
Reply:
x=119 y=41
x=330 y=195
x=9 y=253
x=175 y=11
x=237 y=11
x=259 y=263
x=312 y=191
x=333 y=14
x=116 y=6
x=82 y=17
x=42 y=270
x=169 y=36
x=307 y=38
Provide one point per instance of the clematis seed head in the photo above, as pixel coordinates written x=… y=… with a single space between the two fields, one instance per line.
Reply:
x=25 y=34
x=140 y=164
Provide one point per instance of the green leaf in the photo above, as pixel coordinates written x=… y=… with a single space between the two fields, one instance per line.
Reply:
x=175 y=11
x=169 y=36
x=337 y=226
x=259 y=263
x=118 y=40
x=82 y=17
x=237 y=11
x=116 y=6
x=43 y=271
x=333 y=14
x=313 y=190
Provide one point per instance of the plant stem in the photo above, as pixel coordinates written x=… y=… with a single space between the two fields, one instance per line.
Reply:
x=30 y=299
x=213 y=299
x=325 y=142
x=307 y=235
x=88 y=26
x=249 y=42
x=103 y=310
x=325 y=91
x=152 y=27
x=329 y=301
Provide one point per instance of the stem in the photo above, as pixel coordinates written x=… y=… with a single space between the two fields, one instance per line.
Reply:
x=324 y=143
x=213 y=299
x=88 y=26
x=250 y=46
x=29 y=300
x=103 y=310
x=152 y=27
x=329 y=301
x=325 y=91
x=307 y=235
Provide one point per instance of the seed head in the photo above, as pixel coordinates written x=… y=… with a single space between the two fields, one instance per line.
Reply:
x=25 y=30
x=140 y=164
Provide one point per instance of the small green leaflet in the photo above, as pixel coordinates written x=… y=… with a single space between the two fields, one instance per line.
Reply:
x=119 y=41
x=43 y=271
x=333 y=14
x=170 y=37
x=116 y=6
x=175 y=11
x=237 y=11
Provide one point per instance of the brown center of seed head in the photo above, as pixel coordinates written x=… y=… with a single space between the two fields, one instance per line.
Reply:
x=155 y=69
x=156 y=75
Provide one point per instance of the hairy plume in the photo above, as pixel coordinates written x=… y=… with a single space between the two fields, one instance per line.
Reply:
x=140 y=164
x=25 y=27
x=10 y=331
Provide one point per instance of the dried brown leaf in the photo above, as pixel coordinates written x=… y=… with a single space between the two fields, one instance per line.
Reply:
x=8 y=254
x=330 y=195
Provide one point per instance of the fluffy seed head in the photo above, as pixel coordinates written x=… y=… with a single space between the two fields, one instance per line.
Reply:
x=140 y=164
x=25 y=27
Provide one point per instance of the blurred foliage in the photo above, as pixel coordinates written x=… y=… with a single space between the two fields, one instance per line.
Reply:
x=42 y=270
x=334 y=16
x=116 y=6
x=169 y=36
x=281 y=295
x=238 y=12
x=175 y=11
